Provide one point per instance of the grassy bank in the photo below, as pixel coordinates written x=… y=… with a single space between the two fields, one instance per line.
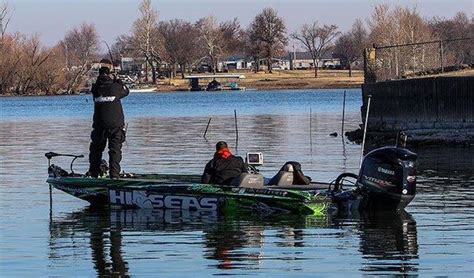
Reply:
x=281 y=79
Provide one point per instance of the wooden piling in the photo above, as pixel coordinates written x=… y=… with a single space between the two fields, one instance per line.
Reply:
x=343 y=114
x=310 y=129
x=236 y=131
x=207 y=127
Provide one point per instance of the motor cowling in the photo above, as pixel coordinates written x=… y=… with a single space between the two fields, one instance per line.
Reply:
x=388 y=178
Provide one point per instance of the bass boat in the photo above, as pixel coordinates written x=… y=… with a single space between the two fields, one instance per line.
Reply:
x=386 y=181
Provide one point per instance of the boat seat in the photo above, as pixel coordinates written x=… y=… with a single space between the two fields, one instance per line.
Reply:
x=249 y=180
x=284 y=177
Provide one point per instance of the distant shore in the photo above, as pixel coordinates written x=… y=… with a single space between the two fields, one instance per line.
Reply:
x=280 y=80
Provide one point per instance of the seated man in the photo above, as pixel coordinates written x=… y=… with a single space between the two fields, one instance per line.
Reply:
x=224 y=167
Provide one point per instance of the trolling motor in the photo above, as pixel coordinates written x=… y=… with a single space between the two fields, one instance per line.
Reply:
x=56 y=171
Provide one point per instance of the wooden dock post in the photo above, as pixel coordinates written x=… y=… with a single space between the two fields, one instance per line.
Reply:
x=343 y=114
x=205 y=132
x=310 y=129
x=236 y=131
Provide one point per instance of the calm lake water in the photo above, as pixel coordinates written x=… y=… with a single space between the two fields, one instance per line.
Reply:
x=435 y=236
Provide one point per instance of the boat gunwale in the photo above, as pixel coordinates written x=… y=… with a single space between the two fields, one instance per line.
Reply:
x=231 y=191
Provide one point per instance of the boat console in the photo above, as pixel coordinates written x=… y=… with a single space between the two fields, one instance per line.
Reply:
x=252 y=179
x=254 y=158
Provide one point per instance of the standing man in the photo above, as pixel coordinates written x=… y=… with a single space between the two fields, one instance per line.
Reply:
x=108 y=122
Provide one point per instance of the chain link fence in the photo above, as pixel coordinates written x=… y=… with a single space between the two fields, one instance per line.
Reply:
x=417 y=59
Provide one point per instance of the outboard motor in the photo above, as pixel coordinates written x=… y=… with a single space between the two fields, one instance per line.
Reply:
x=387 y=179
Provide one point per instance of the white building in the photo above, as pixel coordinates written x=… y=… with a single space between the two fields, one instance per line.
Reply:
x=234 y=63
x=303 y=60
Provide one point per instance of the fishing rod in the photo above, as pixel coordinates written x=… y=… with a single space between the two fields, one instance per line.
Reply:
x=110 y=54
x=365 y=131
x=115 y=77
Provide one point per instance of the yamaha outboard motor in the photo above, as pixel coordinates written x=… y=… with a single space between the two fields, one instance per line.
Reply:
x=387 y=179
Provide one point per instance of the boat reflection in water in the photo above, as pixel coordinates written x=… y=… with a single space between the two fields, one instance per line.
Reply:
x=117 y=239
x=389 y=242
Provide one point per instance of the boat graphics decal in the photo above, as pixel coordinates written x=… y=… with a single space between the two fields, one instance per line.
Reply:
x=104 y=99
x=76 y=190
x=144 y=199
x=377 y=182
x=266 y=209
x=386 y=171
x=242 y=190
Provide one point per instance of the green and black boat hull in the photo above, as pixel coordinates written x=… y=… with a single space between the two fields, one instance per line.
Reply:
x=386 y=181
x=186 y=193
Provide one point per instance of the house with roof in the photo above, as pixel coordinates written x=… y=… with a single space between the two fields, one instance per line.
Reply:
x=303 y=60
x=234 y=63
x=246 y=63
x=292 y=60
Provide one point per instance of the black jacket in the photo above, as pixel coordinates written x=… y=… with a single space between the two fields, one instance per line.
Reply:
x=107 y=92
x=223 y=170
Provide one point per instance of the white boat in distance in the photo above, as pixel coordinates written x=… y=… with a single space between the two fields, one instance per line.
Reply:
x=143 y=90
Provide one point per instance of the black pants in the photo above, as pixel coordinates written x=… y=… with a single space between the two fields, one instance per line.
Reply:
x=99 y=137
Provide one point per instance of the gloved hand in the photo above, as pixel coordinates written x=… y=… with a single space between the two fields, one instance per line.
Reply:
x=119 y=81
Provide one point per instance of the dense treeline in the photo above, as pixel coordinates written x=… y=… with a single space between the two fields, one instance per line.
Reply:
x=27 y=67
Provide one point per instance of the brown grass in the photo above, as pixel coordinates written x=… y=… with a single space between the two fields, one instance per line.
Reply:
x=297 y=79
x=284 y=79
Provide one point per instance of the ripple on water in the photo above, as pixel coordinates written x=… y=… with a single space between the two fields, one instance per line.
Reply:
x=165 y=135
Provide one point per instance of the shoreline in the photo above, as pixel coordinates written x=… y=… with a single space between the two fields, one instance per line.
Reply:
x=278 y=80
x=171 y=89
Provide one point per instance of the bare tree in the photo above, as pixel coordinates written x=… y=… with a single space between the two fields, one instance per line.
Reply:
x=5 y=17
x=316 y=40
x=411 y=28
x=9 y=62
x=252 y=47
x=460 y=26
x=218 y=39
x=50 y=78
x=400 y=26
x=28 y=68
x=81 y=46
x=7 y=48
x=349 y=46
x=233 y=36
x=212 y=39
x=121 y=47
x=269 y=32
x=145 y=36
x=180 y=43
x=32 y=59
x=25 y=66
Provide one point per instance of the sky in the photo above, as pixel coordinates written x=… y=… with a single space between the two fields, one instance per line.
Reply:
x=51 y=19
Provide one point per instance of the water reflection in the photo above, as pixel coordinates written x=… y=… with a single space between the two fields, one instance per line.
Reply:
x=387 y=242
x=165 y=135
x=446 y=168
x=105 y=243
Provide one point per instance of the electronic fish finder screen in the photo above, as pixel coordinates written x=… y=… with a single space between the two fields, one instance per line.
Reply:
x=254 y=158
